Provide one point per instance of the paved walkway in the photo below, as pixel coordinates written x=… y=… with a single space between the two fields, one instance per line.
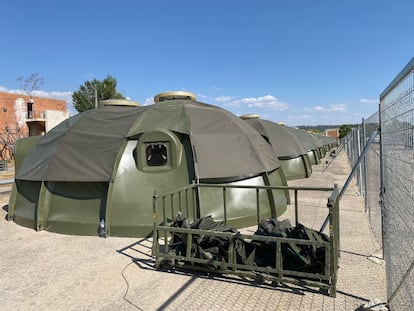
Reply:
x=47 y=271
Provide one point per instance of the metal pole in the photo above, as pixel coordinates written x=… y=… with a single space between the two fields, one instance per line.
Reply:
x=382 y=186
x=154 y=218
x=258 y=208
x=225 y=205
x=359 y=164
x=365 y=179
x=96 y=97
x=6 y=181
x=296 y=208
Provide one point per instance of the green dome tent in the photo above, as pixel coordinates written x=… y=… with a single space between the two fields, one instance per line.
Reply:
x=292 y=155
x=310 y=143
x=326 y=142
x=318 y=142
x=102 y=166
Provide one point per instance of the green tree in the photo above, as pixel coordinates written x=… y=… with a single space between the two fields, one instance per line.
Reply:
x=91 y=93
x=344 y=130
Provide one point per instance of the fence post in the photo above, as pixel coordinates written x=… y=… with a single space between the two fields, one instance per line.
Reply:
x=364 y=133
x=382 y=186
x=359 y=174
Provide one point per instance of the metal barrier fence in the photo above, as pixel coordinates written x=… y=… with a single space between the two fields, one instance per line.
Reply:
x=372 y=178
x=397 y=129
x=368 y=175
x=385 y=178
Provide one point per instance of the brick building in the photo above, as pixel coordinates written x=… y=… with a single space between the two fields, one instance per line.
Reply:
x=332 y=132
x=22 y=116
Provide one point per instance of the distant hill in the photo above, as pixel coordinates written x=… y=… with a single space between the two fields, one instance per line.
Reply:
x=321 y=128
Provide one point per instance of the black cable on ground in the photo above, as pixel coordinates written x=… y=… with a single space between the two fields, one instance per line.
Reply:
x=127 y=289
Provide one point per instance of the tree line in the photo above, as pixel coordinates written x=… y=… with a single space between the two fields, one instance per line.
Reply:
x=92 y=93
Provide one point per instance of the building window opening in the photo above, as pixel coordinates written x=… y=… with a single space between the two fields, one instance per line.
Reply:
x=30 y=110
x=157 y=154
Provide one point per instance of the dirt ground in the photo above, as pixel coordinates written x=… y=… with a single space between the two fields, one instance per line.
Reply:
x=49 y=271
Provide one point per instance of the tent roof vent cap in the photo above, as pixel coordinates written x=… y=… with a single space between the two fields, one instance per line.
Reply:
x=174 y=95
x=250 y=116
x=120 y=102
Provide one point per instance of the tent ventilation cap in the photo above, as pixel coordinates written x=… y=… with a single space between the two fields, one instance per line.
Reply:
x=174 y=95
x=250 y=116
x=120 y=102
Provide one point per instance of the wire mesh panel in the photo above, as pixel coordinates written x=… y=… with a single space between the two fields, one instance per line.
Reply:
x=397 y=128
x=367 y=174
x=352 y=147
x=372 y=178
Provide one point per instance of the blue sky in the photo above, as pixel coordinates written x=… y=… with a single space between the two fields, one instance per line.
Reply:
x=301 y=62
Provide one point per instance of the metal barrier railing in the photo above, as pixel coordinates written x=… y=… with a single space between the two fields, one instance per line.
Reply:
x=325 y=281
x=5 y=182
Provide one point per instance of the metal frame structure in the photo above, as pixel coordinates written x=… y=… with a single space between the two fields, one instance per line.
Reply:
x=164 y=204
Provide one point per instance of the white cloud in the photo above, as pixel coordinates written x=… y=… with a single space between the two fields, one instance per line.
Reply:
x=201 y=97
x=148 y=101
x=267 y=102
x=300 y=117
x=340 y=107
x=368 y=101
x=331 y=108
x=319 y=108
x=222 y=99
x=5 y=89
x=66 y=96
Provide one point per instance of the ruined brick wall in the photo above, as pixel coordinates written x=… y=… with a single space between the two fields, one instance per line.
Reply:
x=14 y=119
x=13 y=110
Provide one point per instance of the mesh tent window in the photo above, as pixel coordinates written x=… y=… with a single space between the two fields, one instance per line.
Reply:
x=157 y=154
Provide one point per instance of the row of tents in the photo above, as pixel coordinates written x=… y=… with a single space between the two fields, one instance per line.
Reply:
x=96 y=172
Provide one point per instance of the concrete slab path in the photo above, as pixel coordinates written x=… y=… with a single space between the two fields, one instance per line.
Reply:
x=48 y=271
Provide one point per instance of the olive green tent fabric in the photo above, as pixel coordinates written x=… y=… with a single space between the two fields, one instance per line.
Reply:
x=306 y=139
x=317 y=140
x=82 y=148
x=284 y=143
x=242 y=151
x=169 y=115
x=224 y=145
x=327 y=140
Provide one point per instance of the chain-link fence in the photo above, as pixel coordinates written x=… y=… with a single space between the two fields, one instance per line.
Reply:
x=385 y=177
x=397 y=127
